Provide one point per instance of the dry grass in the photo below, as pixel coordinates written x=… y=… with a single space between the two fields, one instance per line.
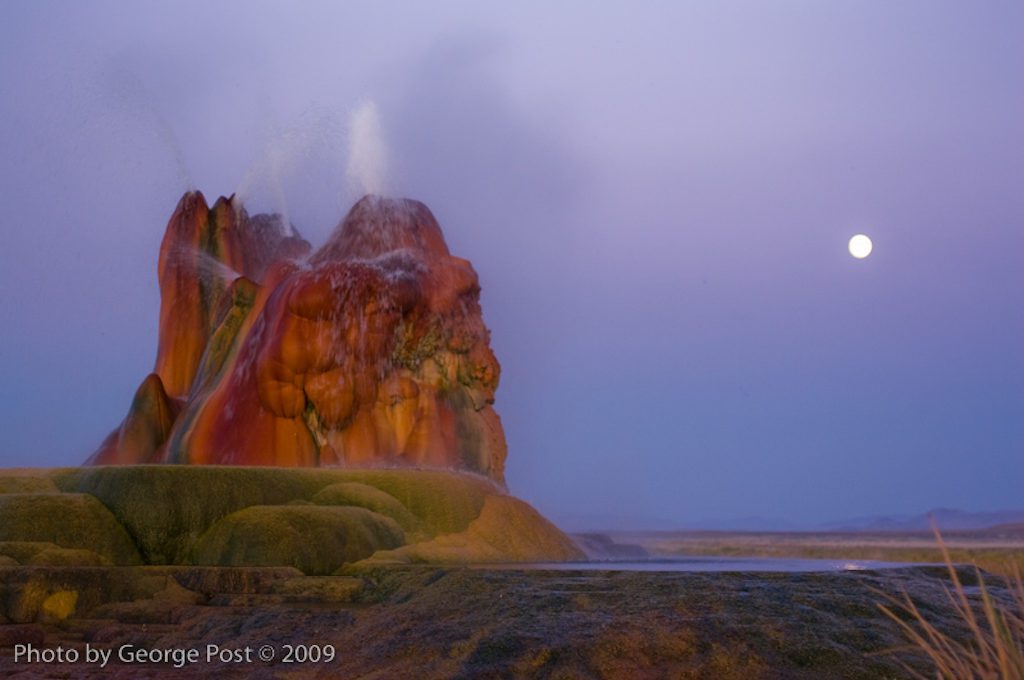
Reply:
x=993 y=647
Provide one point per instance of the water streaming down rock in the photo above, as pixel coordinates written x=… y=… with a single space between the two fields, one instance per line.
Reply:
x=370 y=352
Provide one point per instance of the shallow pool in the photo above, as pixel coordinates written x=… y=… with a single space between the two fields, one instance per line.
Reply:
x=718 y=564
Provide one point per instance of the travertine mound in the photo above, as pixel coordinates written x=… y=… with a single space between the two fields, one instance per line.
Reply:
x=371 y=351
x=315 y=539
x=317 y=520
x=69 y=520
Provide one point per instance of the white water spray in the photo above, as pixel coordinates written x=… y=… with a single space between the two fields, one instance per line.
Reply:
x=208 y=268
x=284 y=153
x=143 y=104
x=367 y=156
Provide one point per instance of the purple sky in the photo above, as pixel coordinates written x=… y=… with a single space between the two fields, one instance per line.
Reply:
x=657 y=198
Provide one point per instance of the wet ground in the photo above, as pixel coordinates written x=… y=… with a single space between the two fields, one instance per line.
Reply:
x=430 y=622
x=714 y=564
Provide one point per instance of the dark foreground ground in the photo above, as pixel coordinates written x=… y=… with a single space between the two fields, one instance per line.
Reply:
x=429 y=622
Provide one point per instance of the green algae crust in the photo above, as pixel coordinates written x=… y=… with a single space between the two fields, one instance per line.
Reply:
x=316 y=519
x=69 y=520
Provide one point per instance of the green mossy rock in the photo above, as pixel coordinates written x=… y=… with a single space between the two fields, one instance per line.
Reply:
x=26 y=482
x=445 y=502
x=58 y=606
x=314 y=518
x=68 y=557
x=70 y=520
x=364 y=496
x=22 y=552
x=316 y=540
x=507 y=530
x=40 y=553
x=166 y=508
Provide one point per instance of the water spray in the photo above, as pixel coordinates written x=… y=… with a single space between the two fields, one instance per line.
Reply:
x=367 y=155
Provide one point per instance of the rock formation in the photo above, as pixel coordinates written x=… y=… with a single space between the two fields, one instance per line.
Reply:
x=315 y=519
x=368 y=352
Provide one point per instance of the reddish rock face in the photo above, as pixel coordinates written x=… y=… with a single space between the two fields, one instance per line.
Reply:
x=371 y=351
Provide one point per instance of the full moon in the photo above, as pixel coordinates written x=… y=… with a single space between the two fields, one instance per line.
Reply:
x=860 y=246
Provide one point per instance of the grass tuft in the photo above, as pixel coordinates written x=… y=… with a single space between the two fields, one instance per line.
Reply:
x=993 y=646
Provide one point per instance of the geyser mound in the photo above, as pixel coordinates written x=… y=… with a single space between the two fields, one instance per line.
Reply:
x=371 y=351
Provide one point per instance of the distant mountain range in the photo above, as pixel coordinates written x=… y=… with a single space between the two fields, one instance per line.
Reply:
x=947 y=519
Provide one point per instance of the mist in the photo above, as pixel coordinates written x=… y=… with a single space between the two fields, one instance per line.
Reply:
x=657 y=199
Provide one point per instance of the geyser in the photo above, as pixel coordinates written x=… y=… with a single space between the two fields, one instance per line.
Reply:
x=371 y=351
x=367 y=155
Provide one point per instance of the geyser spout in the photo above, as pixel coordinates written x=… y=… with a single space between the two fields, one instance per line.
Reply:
x=377 y=225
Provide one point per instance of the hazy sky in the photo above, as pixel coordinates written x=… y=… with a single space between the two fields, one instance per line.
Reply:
x=657 y=198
